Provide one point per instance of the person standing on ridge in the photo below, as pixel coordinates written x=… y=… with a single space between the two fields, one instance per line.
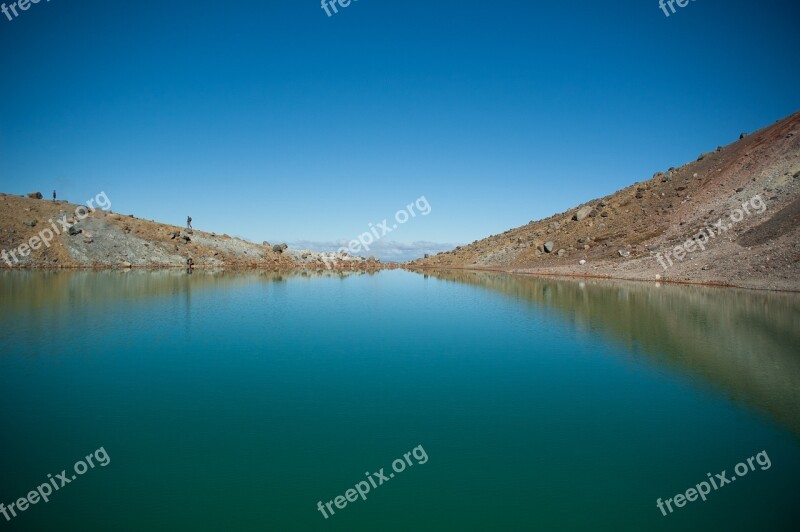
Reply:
x=54 y=196
x=189 y=223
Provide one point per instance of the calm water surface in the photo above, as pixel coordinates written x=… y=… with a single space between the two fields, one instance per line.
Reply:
x=238 y=401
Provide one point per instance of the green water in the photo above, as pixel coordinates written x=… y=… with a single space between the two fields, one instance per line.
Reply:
x=238 y=401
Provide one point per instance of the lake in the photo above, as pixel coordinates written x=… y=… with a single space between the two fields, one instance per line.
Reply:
x=239 y=401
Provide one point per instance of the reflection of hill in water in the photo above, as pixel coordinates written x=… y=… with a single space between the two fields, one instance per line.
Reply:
x=41 y=305
x=51 y=290
x=744 y=343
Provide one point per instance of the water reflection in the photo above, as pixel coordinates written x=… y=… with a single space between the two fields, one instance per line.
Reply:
x=745 y=344
x=45 y=291
x=39 y=306
x=742 y=343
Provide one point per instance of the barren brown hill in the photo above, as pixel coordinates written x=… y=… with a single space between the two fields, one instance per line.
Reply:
x=730 y=217
x=103 y=239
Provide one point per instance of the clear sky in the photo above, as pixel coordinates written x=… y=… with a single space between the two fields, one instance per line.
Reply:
x=270 y=120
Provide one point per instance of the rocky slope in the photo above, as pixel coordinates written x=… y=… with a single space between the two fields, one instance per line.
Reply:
x=104 y=239
x=731 y=217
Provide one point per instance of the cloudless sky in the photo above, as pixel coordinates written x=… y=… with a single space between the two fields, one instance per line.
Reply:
x=270 y=120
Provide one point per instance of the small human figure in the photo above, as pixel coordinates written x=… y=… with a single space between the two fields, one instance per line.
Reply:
x=189 y=265
x=189 y=223
x=54 y=196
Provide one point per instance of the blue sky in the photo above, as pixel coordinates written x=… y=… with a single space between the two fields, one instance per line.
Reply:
x=272 y=121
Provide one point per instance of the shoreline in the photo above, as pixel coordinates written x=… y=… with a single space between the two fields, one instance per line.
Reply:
x=395 y=266
x=605 y=277
x=170 y=267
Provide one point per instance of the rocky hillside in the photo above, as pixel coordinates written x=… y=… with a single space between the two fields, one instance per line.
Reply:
x=731 y=217
x=103 y=239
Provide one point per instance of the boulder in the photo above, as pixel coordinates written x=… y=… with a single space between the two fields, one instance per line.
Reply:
x=73 y=231
x=582 y=213
x=549 y=246
x=35 y=195
x=562 y=252
x=30 y=223
x=624 y=253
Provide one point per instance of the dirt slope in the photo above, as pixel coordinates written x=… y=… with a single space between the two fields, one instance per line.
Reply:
x=733 y=213
x=109 y=240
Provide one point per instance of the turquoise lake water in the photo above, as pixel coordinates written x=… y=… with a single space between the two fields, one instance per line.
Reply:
x=231 y=401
